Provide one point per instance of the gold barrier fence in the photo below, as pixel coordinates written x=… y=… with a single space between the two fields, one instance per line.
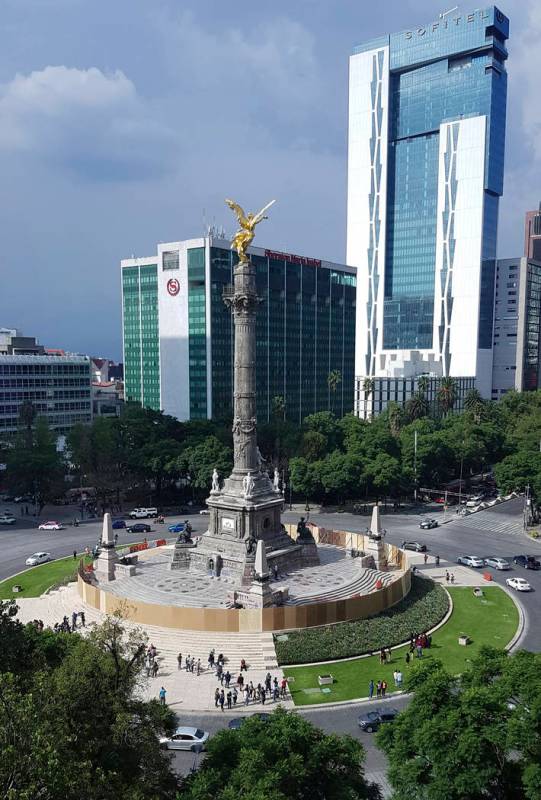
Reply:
x=257 y=620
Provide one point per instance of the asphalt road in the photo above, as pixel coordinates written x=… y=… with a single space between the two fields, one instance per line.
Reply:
x=448 y=541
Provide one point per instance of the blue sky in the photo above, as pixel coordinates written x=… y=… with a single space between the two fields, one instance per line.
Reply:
x=126 y=122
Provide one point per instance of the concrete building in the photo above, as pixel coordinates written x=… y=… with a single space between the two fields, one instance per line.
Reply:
x=57 y=384
x=427 y=110
x=532 y=234
x=517 y=326
x=178 y=333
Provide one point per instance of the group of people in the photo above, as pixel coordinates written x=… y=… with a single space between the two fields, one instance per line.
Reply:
x=449 y=577
x=66 y=627
x=190 y=664
x=151 y=661
x=270 y=689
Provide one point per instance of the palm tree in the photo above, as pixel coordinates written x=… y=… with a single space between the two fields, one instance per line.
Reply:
x=395 y=417
x=368 y=387
x=334 y=378
x=474 y=403
x=278 y=407
x=417 y=406
x=446 y=394
x=422 y=385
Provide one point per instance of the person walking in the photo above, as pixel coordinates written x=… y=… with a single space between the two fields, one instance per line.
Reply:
x=283 y=687
x=75 y=555
x=275 y=693
x=229 y=701
x=179 y=661
x=210 y=660
x=227 y=679
x=246 y=696
x=155 y=668
x=222 y=699
x=399 y=679
x=437 y=561
x=235 y=696
x=187 y=663
x=371 y=689
x=395 y=677
x=240 y=681
x=408 y=657
x=452 y=577
x=243 y=665
x=383 y=688
x=192 y=664
x=263 y=695
x=198 y=667
x=82 y=618
x=162 y=696
x=447 y=576
x=216 y=697
x=74 y=620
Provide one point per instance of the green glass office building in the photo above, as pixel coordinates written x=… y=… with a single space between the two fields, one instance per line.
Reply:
x=178 y=333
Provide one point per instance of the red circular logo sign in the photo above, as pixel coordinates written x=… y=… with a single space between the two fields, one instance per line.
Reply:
x=173 y=286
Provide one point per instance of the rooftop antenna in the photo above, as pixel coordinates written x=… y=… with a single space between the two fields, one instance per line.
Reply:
x=205 y=227
x=445 y=13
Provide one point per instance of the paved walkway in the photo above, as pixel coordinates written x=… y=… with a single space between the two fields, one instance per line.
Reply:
x=184 y=689
x=464 y=576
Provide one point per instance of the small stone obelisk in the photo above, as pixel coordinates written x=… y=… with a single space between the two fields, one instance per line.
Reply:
x=376 y=545
x=105 y=564
x=260 y=590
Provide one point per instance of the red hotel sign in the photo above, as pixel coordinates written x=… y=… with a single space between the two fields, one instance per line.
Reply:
x=173 y=287
x=307 y=262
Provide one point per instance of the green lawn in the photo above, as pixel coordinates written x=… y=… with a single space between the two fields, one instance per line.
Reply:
x=488 y=620
x=36 y=580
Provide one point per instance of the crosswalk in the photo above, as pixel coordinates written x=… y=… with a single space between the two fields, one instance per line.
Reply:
x=492 y=522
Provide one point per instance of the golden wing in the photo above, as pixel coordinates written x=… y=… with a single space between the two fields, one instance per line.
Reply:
x=239 y=211
x=261 y=214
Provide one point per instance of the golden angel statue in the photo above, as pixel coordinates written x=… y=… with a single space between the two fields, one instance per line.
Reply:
x=245 y=235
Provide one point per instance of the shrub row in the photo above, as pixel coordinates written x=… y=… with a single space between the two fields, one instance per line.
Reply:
x=425 y=606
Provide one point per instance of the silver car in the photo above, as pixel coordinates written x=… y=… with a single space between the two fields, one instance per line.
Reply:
x=497 y=563
x=186 y=739
x=38 y=558
x=470 y=561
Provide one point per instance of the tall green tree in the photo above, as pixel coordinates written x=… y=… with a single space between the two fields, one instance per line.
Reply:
x=285 y=758
x=199 y=462
x=471 y=737
x=446 y=394
x=34 y=465
x=334 y=379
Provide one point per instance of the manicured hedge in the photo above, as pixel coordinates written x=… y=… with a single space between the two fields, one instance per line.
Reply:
x=425 y=606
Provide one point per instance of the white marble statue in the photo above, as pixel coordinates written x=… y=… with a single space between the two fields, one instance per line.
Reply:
x=248 y=484
x=276 y=482
x=215 y=482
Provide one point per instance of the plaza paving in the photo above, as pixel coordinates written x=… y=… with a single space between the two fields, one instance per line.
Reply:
x=336 y=577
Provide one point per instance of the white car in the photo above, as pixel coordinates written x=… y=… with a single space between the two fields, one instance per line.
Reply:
x=143 y=513
x=470 y=561
x=186 y=739
x=50 y=526
x=38 y=558
x=7 y=519
x=204 y=511
x=520 y=584
x=497 y=563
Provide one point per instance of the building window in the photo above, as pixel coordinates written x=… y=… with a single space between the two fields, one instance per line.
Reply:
x=171 y=260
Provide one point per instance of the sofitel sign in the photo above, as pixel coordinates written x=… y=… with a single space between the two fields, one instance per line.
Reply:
x=444 y=24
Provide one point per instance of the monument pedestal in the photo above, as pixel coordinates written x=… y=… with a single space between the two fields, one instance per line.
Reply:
x=104 y=568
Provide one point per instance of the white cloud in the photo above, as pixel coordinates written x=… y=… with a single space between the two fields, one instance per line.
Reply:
x=86 y=119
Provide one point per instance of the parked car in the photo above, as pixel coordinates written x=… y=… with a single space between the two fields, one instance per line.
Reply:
x=118 y=524
x=38 y=558
x=185 y=739
x=139 y=527
x=22 y=498
x=427 y=524
x=472 y=503
x=143 y=513
x=51 y=525
x=528 y=562
x=235 y=724
x=470 y=561
x=178 y=527
x=440 y=500
x=204 y=511
x=7 y=519
x=497 y=563
x=520 y=584
x=373 y=719
x=417 y=546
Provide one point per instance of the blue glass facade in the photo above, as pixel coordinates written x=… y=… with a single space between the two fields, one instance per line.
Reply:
x=446 y=71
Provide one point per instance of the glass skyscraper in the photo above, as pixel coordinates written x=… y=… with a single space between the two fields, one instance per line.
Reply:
x=427 y=111
x=178 y=333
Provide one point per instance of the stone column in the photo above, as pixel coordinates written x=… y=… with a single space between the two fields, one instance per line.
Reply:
x=244 y=302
